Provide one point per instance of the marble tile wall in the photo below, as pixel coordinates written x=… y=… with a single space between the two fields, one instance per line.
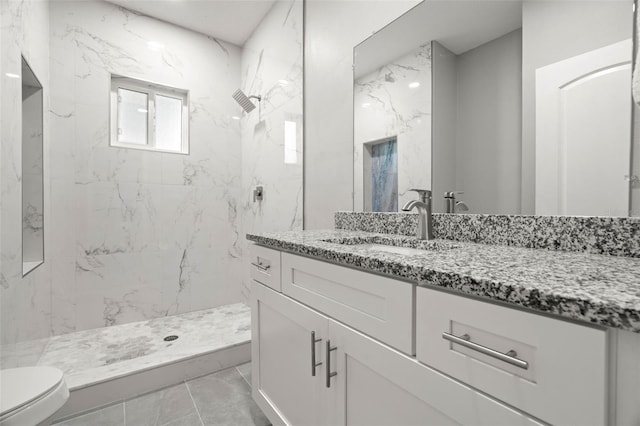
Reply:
x=385 y=105
x=272 y=69
x=25 y=303
x=136 y=234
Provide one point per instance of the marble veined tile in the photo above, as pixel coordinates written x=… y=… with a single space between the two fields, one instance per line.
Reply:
x=136 y=225
x=92 y=356
x=22 y=354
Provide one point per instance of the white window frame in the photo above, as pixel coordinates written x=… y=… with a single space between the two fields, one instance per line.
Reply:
x=151 y=90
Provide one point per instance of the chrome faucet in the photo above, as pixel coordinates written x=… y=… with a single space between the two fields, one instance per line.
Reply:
x=425 y=227
x=450 y=203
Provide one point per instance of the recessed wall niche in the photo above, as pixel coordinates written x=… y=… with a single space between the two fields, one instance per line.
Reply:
x=32 y=171
x=381 y=175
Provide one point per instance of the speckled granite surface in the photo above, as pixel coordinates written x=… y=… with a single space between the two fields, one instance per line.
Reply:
x=598 y=235
x=599 y=289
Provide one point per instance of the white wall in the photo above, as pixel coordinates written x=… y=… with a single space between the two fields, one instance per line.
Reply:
x=25 y=303
x=140 y=234
x=272 y=54
x=444 y=113
x=488 y=129
x=332 y=29
x=552 y=31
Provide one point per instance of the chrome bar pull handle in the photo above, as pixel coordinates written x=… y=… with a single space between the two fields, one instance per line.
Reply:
x=510 y=357
x=330 y=373
x=314 y=364
x=260 y=266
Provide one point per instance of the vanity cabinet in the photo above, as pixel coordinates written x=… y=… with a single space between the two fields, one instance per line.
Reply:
x=405 y=354
x=345 y=356
x=357 y=381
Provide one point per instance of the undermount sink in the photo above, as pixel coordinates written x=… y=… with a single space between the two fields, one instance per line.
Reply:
x=392 y=249
x=396 y=245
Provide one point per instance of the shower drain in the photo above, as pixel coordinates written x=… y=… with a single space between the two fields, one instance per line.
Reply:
x=170 y=338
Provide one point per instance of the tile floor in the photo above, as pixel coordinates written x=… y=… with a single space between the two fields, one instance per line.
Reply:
x=222 y=398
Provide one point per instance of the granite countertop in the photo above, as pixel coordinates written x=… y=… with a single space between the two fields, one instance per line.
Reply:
x=598 y=289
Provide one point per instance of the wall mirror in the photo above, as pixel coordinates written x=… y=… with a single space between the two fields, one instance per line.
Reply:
x=515 y=107
x=32 y=171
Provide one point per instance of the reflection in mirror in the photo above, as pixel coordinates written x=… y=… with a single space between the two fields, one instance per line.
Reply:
x=32 y=171
x=389 y=104
x=381 y=175
x=523 y=102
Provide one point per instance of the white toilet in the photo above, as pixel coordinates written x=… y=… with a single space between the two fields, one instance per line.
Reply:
x=30 y=396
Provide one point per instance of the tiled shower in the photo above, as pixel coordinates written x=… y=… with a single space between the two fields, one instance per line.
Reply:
x=132 y=235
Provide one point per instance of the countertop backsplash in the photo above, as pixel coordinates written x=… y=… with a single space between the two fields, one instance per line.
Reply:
x=616 y=236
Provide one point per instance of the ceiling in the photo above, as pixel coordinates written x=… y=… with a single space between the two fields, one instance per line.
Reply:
x=229 y=20
x=458 y=25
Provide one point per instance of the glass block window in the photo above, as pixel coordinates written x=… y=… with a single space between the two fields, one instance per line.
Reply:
x=148 y=116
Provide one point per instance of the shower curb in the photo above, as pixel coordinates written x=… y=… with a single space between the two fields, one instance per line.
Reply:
x=91 y=396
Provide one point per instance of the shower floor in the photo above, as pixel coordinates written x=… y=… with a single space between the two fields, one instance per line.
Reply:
x=109 y=364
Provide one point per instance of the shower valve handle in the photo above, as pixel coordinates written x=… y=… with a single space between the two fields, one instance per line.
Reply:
x=258 y=193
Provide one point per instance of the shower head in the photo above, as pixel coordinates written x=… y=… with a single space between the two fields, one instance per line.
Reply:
x=245 y=101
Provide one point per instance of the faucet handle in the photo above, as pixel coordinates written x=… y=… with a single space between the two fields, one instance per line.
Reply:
x=423 y=194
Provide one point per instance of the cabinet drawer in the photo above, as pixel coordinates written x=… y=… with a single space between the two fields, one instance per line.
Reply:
x=561 y=377
x=378 y=306
x=265 y=266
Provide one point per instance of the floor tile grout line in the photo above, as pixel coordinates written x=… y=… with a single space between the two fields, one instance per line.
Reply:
x=242 y=375
x=194 y=402
x=162 y=394
x=89 y=412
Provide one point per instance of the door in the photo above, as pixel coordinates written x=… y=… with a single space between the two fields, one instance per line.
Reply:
x=377 y=385
x=583 y=133
x=282 y=382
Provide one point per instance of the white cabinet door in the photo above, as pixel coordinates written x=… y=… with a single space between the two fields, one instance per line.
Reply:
x=377 y=385
x=282 y=380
